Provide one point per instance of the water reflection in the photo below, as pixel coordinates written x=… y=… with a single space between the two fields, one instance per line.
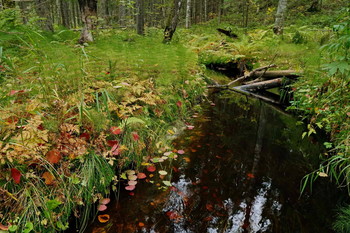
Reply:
x=246 y=163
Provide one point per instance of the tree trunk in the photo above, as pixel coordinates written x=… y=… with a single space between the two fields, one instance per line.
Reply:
x=205 y=10
x=122 y=13
x=140 y=19
x=172 y=22
x=280 y=15
x=88 y=10
x=43 y=9
x=65 y=13
x=188 y=13
x=315 y=6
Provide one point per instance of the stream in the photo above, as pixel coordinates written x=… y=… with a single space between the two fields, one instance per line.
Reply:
x=241 y=172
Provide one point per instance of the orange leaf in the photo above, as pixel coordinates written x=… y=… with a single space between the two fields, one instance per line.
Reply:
x=103 y=218
x=53 y=156
x=49 y=178
x=3 y=227
x=141 y=224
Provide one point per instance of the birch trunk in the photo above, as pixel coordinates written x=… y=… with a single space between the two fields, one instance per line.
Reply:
x=188 y=13
x=280 y=15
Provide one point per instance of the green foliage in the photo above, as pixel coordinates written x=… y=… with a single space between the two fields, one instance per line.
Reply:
x=342 y=223
x=9 y=19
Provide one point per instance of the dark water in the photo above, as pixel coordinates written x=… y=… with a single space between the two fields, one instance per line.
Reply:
x=244 y=162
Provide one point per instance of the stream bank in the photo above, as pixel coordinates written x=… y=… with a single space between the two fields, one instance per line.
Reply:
x=241 y=172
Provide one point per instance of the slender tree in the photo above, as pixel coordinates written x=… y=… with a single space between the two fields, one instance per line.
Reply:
x=172 y=21
x=188 y=13
x=280 y=15
x=88 y=10
x=140 y=18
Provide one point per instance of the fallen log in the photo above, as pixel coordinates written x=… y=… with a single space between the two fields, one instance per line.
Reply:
x=250 y=74
x=262 y=85
x=228 y=33
x=267 y=75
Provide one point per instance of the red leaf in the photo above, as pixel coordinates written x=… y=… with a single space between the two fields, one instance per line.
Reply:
x=141 y=175
x=13 y=92
x=3 y=227
x=105 y=201
x=179 y=103
x=209 y=207
x=16 y=175
x=181 y=152
x=135 y=136
x=151 y=168
x=53 y=156
x=130 y=187
x=102 y=208
x=250 y=176
x=85 y=136
x=111 y=143
x=115 y=130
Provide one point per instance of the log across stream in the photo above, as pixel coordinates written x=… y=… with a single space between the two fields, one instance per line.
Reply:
x=241 y=172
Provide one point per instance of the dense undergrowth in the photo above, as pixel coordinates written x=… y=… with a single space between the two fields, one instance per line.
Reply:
x=73 y=118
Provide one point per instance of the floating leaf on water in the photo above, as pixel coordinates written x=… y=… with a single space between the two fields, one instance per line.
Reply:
x=141 y=224
x=146 y=164
x=181 y=152
x=162 y=172
x=164 y=158
x=132 y=177
x=155 y=160
x=130 y=187
x=167 y=153
x=101 y=207
x=16 y=175
x=322 y=174
x=250 y=175
x=103 y=218
x=105 y=201
x=130 y=172
x=187 y=159
x=141 y=175
x=167 y=183
x=132 y=182
x=151 y=168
